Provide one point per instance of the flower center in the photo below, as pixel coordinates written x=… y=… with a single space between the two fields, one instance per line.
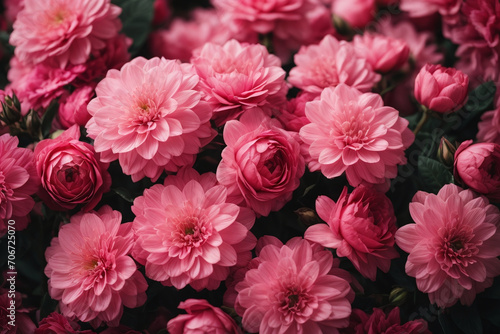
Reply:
x=456 y=248
x=5 y=191
x=354 y=129
x=191 y=230
x=325 y=72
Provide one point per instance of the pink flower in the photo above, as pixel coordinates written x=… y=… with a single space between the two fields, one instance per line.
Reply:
x=293 y=116
x=360 y=226
x=385 y=54
x=379 y=322
x=261 y=165
x=295 y=289
x=285 y=19
x=71 y=172
x=420 y=8
x=18 y=181
x=489 y=126
x=63 y=30
x=37 y=86
x=13 y=312
x=73 y=107
x=202 y=317
x=188 y=233
x=12 y=8
x=329 y=64
x=357 y=13
x=236 y=77
x=150 y=116
x=477 y=166
x=183 y=37
x=453 y=245
x=441 y=89
x=162 y=12
x=354 y=132
x=90 y=269
x=56 y=323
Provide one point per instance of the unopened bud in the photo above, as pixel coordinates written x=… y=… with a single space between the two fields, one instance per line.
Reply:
x=33 y=123
x=398 y=296
x=446 y=152
x=342 y=26
x=11 y=110
x=307 y=216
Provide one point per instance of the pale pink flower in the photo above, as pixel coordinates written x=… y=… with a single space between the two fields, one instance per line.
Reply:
x=385 y=54
x=73 y=107
x=188 y=233
x=63 y=31
x=182 y=37
x=12 y=8
x=453 y=245
x=285 y=19
x=202 y=318
x=18 y=181
x=296 y=288
x=90 y=270
x=261 y=165
x=420 y=8
x=354 y=132
x=360 y=226
x=149 y=116
x=329 y=64
x=236 y=77
x=357 y=13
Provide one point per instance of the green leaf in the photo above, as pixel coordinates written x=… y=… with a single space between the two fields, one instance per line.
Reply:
x=467 y=318
x=48 y=117
x=446 y=323
x=136 y=18
x=47 y=306
x=124 y=193
x=433 y=174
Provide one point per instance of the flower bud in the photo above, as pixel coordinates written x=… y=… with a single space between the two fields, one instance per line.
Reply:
x=398 y=296
x=441 y=89
x=33 y=123
x=446 y=152
x=11 y=110
x=307 y=216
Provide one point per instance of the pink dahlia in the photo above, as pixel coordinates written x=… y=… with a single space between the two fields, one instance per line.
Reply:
x=285 y=19
x=453 y=245
x=202 y=318
x=188 y=233
x=90 y=269
x=360 y=226
x=64 y=31
x=489 y=126
x=149 y=116
x=18 y=181
x=329 y=64
x=236 y=77
x=295 y=289
x=385 y=54
x=354 y=132
x=380 y=323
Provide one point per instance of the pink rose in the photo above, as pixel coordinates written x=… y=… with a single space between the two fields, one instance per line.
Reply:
x=203 y=318
x=261 y=165
x=73 y=107
x=478 y=167
x=70 y=172
x=360 y=226
x=355 y=12
x=441 y=89
x=384 y=54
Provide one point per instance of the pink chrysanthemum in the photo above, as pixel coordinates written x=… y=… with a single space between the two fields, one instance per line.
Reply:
x=453 y=245
x=329 y=64
x=187 y=232
x=90 y=271
x=354 y=132
x=65 y=31
x=360 y=226
x=18 y=181
x=150 y=116
x=236 y=77
x=295 y=289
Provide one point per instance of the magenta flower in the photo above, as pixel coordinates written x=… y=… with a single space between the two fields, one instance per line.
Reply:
x=90 y=270
x=261 y=165
x=56 y=323
x=360 y=226
x=203 y=318
x=18 y=181
x=188 y=233
x=65 y=31
x=295 y=289
x=354 y=132
x=149 y=116
x=329 y=64
x=453 y=245
x=236 y=77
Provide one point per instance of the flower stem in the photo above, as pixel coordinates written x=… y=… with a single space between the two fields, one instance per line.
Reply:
x=423 y=120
